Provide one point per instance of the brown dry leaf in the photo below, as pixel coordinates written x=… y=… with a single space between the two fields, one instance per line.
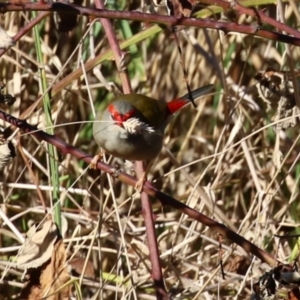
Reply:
x=281 y=280
x=5 y=40
x=238 y=264
x=38 y=246
x=48 y=279
x=7 y=151
x=77 y=264
x=179 y=8
x=276 y=90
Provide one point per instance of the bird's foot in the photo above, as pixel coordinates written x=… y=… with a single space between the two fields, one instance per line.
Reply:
x=95 y=160
x=140 y=183
x=116 y=171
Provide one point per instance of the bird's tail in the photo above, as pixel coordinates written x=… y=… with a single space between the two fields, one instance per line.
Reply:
x=201 y=91
x=176 y=104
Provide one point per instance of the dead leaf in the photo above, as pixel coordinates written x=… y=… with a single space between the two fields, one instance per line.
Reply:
x=281 y=280
x=49 y=278
x=77 y=264
x=38 y=246
x=5 y=40
x=277 y=91
x=178 y=8
x=238 y=264
x=7 y=151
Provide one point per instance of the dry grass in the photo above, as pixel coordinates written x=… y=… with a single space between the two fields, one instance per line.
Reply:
x=217 y=159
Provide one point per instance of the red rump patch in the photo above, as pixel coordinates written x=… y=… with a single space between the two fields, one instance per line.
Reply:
x=117 y=116
x=176 y=104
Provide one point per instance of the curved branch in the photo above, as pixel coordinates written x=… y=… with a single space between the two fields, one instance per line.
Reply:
x=170 y=21
x=148 y=188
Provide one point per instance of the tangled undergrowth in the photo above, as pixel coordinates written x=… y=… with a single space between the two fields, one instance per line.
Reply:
x=227 y=159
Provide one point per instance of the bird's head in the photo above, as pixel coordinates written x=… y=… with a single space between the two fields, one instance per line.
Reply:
x=121 y=111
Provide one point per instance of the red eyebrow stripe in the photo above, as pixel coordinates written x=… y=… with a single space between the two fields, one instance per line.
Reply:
x=118 y=117
x=111 y=109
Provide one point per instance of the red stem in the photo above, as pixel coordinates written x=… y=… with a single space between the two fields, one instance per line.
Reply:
x=119 y=56
x=165 y=199
x=170 y=21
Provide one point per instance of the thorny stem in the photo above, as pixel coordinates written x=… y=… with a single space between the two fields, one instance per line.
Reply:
x=148 y=188
x=119 y=55
x=27 y=27
x=253 y=12
x=156 y=271
x=170 y=21
x=147 y=211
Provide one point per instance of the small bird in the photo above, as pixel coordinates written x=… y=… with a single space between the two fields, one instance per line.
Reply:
x=132 y=126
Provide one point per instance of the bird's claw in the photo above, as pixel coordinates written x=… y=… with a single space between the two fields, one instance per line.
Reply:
x=95 y=160
x=140 y=183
